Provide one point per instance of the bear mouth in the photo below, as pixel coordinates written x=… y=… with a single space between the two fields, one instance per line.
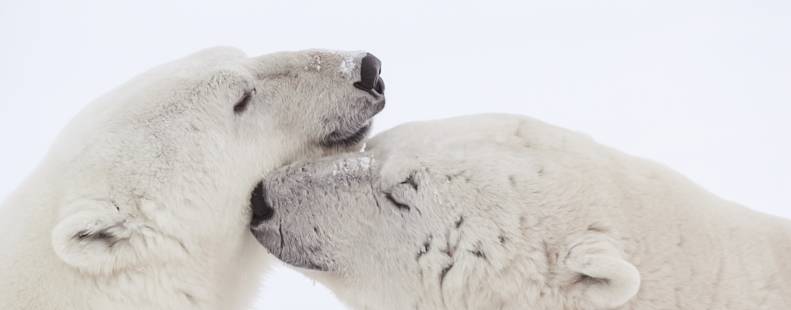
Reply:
x=339 y=139
x=375 y=88
x=287 y=248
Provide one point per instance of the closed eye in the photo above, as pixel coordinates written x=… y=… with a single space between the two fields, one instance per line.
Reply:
x=399 y=205
x=399 y=195
x=243 y=102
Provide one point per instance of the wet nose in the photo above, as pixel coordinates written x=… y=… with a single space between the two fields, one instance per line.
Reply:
x=262 y=210
x=370 y=68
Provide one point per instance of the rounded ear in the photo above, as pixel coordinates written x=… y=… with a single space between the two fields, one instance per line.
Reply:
x=603 y=278
x=94 y=237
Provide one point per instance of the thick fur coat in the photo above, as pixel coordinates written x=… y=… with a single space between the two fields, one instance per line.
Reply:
x=507 y=212
x=142 y=202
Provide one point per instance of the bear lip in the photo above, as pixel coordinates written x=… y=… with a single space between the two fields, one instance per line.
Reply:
x=335 y=139
x=273 y=239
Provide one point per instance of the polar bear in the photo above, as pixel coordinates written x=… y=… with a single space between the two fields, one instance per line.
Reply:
x=506 y=212
x=143 y=200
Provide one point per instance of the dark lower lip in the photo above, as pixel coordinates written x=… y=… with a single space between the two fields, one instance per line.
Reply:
x=348 y=140
x=310 y=265
x=273 y=240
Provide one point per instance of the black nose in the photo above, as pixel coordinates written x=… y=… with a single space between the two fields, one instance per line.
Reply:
x=262 y=211
x=370 y=69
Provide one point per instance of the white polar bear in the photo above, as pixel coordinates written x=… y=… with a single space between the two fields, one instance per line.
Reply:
x=143 y=201
x=506 y=212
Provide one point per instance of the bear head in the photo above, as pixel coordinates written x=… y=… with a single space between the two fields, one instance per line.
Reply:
x=480 y=212
x=160 y=169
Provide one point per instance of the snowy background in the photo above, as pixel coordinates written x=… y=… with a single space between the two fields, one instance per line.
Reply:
x=703 y=86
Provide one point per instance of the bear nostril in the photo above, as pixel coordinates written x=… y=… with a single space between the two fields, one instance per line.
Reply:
x=369 y=73
x=262 y=210
x=380 y=86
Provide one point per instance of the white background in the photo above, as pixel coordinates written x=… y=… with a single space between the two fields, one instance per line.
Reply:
x=703 y=86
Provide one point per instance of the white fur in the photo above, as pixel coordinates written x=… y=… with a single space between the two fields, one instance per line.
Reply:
x=142 y=202
x=506 y=212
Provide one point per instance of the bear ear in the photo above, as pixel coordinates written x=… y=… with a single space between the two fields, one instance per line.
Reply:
x=94 y=237
x=599 y=274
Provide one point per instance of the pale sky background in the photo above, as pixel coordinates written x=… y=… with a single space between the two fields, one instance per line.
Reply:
x=702 y=86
